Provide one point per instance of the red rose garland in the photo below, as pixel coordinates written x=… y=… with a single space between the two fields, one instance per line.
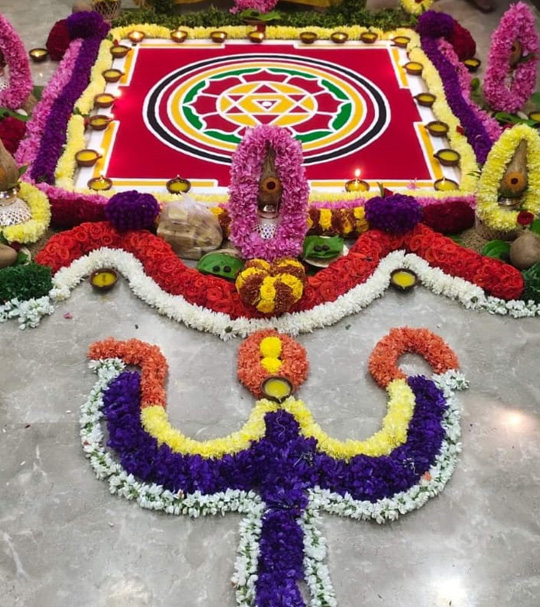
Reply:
x=219 y=295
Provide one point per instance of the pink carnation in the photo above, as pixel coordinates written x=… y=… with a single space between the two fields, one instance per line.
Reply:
x=507 y=90
x=20 y=77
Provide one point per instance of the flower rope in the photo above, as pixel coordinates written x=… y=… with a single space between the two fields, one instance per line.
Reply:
x=20 y=76
x=506 y=89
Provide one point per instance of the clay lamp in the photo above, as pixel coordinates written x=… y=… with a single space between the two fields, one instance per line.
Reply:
x=357 y=184
x=369 y=37
x=104 y=100
x=178 y=185
x=472 y=64
x=401 y=41
x=403 y=280
x=99 y=122
x=87 y=158
x=256 y=37
x=100 y=184
x=38 y=55
x=119 y=51
x=218 y=37
x=414 y=68
x=104 y=280
x=339 y=37
x=112 y=75
x=445 y=185
x=136 y=37
x=437 y=128
x=178 y=36
x=535 y=116
x=425 y=99
x=448 y=157
x=308 y=37
x=277 y=389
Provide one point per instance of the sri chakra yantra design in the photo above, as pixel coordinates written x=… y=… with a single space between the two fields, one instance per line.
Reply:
x=204 y=109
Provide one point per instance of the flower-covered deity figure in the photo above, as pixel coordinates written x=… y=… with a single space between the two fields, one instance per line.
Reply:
x=268 y=195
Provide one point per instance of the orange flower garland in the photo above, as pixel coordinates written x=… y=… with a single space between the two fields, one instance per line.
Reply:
x=383 y=360
x=135 y=352
x=272 y=288
x=252 y=371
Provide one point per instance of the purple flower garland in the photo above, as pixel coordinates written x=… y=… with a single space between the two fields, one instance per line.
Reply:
x=475 y=130
x=246 y=168
x=27 y=150
x=54 y=133
x=282 y=466
x=493 y=128
x=20 y=76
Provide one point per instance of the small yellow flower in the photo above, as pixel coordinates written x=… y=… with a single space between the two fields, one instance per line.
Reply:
x=325 y=219
x=270 y=347
x=268 y=291
x=272 y=365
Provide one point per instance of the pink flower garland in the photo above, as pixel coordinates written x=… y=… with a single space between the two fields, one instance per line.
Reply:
x=263 y=6
x=490 y=124
x=517 y=24
x=244 y=189
x=20 y=77
x=28 y=148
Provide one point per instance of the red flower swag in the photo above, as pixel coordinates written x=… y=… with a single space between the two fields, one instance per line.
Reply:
x=167 y=270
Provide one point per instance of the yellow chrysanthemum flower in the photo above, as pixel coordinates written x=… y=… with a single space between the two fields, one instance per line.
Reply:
x=270 y=347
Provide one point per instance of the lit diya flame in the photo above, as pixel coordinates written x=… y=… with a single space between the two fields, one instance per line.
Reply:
x=136 y=36
x=357 y=184
x=100 y=184
x=38 y=54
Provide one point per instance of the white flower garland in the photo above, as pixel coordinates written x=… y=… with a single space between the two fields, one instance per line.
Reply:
x=177 y=308
x=155 y=497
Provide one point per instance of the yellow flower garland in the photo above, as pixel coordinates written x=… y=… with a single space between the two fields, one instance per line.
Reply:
x=65 y=169
x=393 y=433
x=501 y=153
x=33 y=229
x=414 y=7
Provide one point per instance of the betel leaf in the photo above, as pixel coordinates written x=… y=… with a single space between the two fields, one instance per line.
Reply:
x=320 y=247
x=535 y=226
x=498 y=249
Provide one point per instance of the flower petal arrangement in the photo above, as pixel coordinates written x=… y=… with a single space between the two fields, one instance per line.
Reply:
x=282 y=470
x=20 y=78
x=507 y=88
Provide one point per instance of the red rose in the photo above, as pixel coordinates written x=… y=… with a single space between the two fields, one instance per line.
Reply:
x=58 y=40
x=462 y=41
x=12 y=131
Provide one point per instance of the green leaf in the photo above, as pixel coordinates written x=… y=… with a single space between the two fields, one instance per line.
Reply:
x=535 y=226
x=22 y=169
x=535 y=98
x=497 y=249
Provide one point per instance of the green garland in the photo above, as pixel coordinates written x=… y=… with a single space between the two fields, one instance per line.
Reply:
x=350 y=12
x=24 y=282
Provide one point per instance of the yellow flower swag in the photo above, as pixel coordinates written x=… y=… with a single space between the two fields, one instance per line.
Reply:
x=33 y=229
x=501 y=153
x=393 y=433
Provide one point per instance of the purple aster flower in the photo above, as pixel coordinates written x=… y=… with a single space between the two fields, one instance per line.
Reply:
x=87 y=24
x=433 y=24
x=132 y=211
x=396 y=214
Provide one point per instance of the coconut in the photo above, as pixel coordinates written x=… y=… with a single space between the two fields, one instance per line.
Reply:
x=525 y=250
x=8 y=256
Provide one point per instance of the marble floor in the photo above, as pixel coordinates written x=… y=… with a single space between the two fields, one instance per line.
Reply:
x=64 y=540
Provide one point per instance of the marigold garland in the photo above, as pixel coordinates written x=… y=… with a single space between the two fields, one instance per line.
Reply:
x=487 y=207
x=383 y=360
x=268 y=343
x=33 y=229
x=507 y=89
